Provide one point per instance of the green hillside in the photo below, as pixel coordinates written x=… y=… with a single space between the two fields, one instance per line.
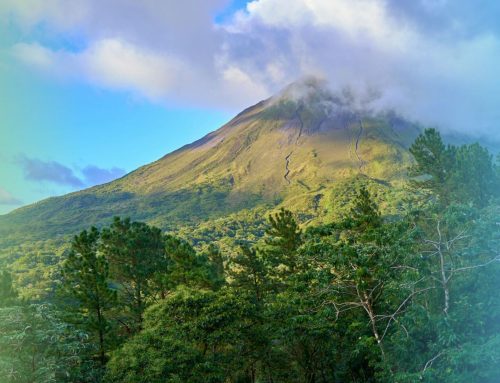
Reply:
x=296 y=150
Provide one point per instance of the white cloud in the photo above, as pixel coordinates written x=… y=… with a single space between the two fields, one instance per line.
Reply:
x=238 y=79
x=35 y=54
x=60 y=13
x=111 y=63
x=435 y=61
x=158 y=76
x=116 y=64
x=361 y=19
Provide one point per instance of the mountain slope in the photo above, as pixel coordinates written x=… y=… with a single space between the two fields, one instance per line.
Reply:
x=284 y=150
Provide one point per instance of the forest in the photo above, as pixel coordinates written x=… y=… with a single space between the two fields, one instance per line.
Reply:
x=368 y=297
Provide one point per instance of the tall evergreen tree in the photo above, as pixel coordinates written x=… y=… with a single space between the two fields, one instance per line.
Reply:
x=187 y=267
x=248 y=272
x=433 y=161
x=283 y=238
x=364 y=213
x=86 y=281
x=464 y=174
x=136 y=253
x=473 y=178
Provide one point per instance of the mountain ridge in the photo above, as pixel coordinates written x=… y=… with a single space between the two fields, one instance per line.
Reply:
x=286 y=148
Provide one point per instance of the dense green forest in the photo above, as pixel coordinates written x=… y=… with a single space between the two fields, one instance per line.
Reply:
x=367 y=297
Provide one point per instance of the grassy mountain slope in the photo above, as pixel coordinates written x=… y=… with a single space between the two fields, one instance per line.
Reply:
x=300 y=149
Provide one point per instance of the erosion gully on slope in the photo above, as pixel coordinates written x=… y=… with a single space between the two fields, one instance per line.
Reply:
x=287 y=158
x=358 y=139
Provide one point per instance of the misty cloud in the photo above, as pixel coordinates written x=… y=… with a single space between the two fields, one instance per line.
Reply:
x=435 y=61
x=57 y=173
x=8 y=199
x=440 y=77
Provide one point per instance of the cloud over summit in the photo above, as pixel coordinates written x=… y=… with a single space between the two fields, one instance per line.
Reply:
x=435 y=61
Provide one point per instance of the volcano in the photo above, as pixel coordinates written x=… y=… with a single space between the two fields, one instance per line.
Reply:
x=295 y=149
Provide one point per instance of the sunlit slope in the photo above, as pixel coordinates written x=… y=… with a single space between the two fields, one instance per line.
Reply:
x=284 y=150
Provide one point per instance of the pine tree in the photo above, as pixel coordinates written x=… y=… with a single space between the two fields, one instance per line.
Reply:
x=136 y=253
x=284 y=237
x=433 y=161
x=86 y=282
x=249 y=273
x=364 y=213
x=464 y=174
x=187 y=267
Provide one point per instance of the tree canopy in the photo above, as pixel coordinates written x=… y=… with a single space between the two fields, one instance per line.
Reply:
x=366 y=297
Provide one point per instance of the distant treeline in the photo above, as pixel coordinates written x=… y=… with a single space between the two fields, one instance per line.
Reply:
x=367 y=298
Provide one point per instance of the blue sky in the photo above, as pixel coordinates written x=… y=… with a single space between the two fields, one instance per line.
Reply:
x=80 y=126
x=92 y=89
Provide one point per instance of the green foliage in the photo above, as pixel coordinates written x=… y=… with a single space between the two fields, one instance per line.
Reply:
x=188 y=268
x=474 y=175
x=433 y=159
x=365 y=275
x=464 y=174
x=86 y=283
x=37 y=346
x=248 y=272
x=8 y=295
x=282 y=240
x=136 y=253
x=192 y=336
x=365 y=214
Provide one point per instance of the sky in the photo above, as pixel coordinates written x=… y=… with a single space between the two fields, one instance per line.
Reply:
x=92 y=89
